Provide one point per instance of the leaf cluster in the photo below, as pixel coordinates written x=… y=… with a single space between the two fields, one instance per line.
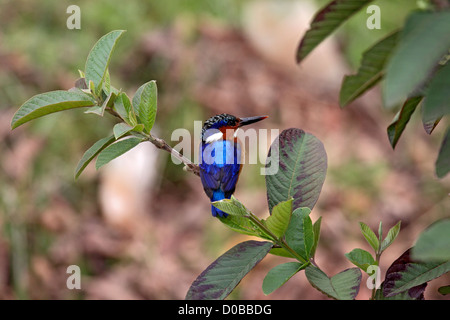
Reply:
x=94 y=91
x=292 y=191
x=412 y=64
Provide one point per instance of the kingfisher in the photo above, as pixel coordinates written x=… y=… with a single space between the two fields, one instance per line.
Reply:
x=220 y=156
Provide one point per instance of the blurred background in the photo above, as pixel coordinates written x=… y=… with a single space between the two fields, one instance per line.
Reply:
x=141 y=228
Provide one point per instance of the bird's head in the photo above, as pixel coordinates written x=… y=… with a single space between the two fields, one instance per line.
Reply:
x=220 y=126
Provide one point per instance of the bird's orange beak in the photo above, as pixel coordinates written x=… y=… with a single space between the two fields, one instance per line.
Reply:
x=250 y=120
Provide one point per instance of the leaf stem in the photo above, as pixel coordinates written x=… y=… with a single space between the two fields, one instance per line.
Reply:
x=160 y=144
x=278 y=240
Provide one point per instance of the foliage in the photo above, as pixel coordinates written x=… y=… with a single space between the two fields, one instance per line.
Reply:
x=292 y=193
x=94 y=90
x=413 y=62
x=291 y=233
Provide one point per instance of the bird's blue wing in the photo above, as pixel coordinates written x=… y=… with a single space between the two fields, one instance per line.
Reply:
x=220 y=173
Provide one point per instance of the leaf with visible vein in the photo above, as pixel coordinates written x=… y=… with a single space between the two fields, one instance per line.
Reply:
x=50 y=102
x=91 y=153
x=392 y=234
x=115 y=150
x=342 y=286
x=279 y=275
x=278 y=221
x=360 y=258
x=218 y=280
x=370 y=236
x=145 y=104
x=370 y=72
x=231 y=207
x=121 y=129
x=99 y=57
x=405 y=274
x=325 y=22
x=302 y=162
x=300 y=234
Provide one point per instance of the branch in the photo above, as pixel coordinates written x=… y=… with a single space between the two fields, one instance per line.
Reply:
x=161 y=144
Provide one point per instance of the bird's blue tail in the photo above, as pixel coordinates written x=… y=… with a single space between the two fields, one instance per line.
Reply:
x=217 y=196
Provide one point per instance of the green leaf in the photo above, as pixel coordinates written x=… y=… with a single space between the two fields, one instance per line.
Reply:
x=224 y=274
x=121 y=129
x=434 y=243
x=231 y=206
x=98 y=59
x=281 y=252
x=423 y=42
x=279 y=275
x=107 y=83
x=115 y=150
x=443 y=159
x=392 y=234
x=278 y=222
x=361 y=258
x=370 y=72
x=100 y=110
x=401 y=119
x=327 y=20
x=302 y=169
x=405 y=274
x=91 y=87
x=238 y=218
x=50 y=102
x=415 y=293
x=316 y=231
x=299 y=234
x=91 y=153
x=343 y=286
x=380 y=232
x=437 y=99
x=123 y=107
x=370 y=236
x=243 y=225
x=145 y=104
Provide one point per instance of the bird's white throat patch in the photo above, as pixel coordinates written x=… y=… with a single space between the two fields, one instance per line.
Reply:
x=214 y=137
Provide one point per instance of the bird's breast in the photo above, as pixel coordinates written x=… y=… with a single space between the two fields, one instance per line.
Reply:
x=220 y=153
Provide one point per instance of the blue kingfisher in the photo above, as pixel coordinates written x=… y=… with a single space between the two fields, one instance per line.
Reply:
x=220 y=156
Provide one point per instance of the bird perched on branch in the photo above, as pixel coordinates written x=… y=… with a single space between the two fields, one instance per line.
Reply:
x=220 y=156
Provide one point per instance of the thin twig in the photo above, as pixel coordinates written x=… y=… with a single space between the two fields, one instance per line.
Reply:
x=161 y=144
